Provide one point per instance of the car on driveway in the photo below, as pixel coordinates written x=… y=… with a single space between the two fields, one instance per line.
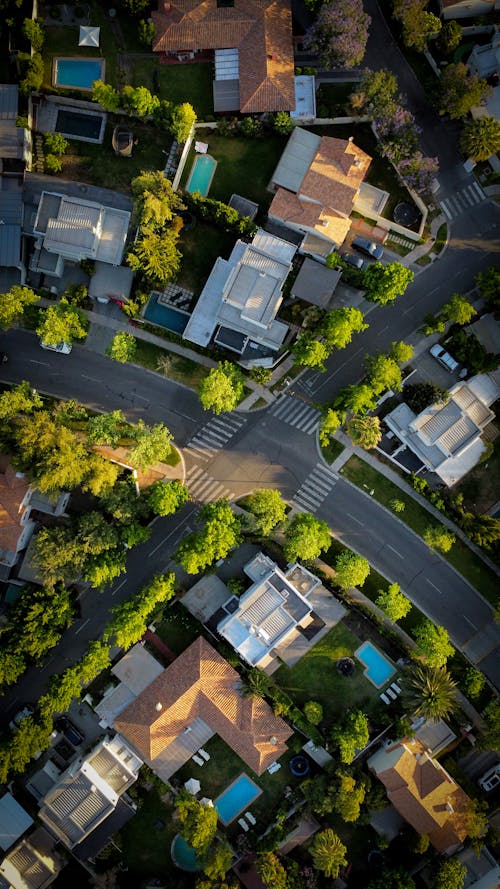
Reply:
x=440 y=354
x=69 y=730
x=369 y=248
x=354 y=260
x=22 y=714
x=62 y=348
x=490 y=779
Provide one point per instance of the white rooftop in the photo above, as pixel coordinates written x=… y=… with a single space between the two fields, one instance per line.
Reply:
x=305 y=97
x=78 y=229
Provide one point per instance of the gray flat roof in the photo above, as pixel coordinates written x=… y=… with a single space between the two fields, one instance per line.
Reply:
x=8 y=101
x=10 y=245
x=203 y=321
x=315 y=283
x=296 y=159
x=14 y=821
x=226 y=95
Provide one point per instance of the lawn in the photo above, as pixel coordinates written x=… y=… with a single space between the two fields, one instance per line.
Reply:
x=179 y=628
x=175 y=367
x=99 y=165
x=418 y=519
x=480 y=486
x=315 y=677
x=200 y=247
x=63 y=41
x=177 y=83
x=332 y=450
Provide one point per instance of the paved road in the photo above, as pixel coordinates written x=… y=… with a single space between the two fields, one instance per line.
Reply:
x=274 y=447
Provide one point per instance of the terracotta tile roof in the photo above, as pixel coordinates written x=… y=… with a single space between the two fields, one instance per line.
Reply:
x=261 y=30
x=13 y=490
x=290 y=208
x=200 y=683
x=335 y=174
x=426 y=796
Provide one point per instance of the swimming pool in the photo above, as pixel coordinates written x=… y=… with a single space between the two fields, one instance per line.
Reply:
x=184 y=856
x=378 y=669
x=236 y=798
x=166 y=316
x=87 y=127
x=77 y=73
x=202 y=171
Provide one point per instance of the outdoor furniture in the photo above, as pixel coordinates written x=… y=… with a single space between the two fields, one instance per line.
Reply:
x=193 y=786
x=250 y=818
x=384 y=698
x=198 y=760
x=391 y=693
x=243 y=824
x=395 y=687
x=201 y=147
x=204 y=754
x=274 y=767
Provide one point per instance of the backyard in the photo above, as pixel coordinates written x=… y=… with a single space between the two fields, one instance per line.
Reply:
x=177 y=83
x=200 y=247
x=62 y=40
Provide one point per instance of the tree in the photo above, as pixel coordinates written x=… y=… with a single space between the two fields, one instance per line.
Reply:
x=450 y=37
x=106 y=428
x=220 y=534
x=401 y=352
x=339 y=34
x=13 y=303
x=418 y=172
x=438 y=537
x=392 y=878
x=55 y=143
x=35 y=33
x=146 y=32
x=282 y=123
x=305 y=537
x=417 y=23
x=268 y=508
x=21 y=399
x=418 y=396
x=473 y=682
x=62 y=323
x=12 y=665
x=101 y=570
x=52 y=164
x=310 y=352
x=165 y=498
x=393 y=603
x=152 y=444
x=217 y=861
x=33 y=73
x=481 y=138
x=489 y=285
x=182 y=121
x=482 y=529
x=397 y=505
x=376 y=94
x=271 y=870
x=383 y=373
x=139 y=101
x=106 y=95
x=122 y=347
x=490 y=739
x=330 y=422
x=430 y=692
x=100 y=475
x=451 y=875
x=131 y=617
x=156 y=254
x=123 y=503
x=339 y=325
x=433 y=643
x=155 y=201
x=257 y=684
x=351 y=736
x=458 y=310
x=198 y=823
x=39 y=617
x=365 y=432
x=351 y=570
x=328 y=853
x=57 y=555
x=460 y=90
x=313 y=712
x=384 y=283
x=222 y=389
x=357 y=398
x=349 y=797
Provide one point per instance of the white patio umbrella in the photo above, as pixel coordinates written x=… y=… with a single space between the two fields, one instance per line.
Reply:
x=193 y=786
x=205 y=801
x=89 y=36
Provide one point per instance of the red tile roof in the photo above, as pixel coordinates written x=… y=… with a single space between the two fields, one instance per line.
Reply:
x=200 y=683
x=13 y=490
x=261 y=30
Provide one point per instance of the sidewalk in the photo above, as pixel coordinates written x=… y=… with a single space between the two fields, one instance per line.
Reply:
x=425 y=249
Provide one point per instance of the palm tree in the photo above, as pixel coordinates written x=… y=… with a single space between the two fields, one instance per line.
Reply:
x=429 y=692
x=481 y=138
x=256 y=684
x=364 y=431
x=328 y=853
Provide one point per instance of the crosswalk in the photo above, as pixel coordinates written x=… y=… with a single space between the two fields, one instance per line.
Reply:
x=315 y=488
x=462 y=200
x=203 y=487
x=296 y=413
x=203 y=445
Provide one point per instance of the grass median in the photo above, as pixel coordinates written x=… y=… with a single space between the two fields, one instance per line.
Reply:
x=418 y=518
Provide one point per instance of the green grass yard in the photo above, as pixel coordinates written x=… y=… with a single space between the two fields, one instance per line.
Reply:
x=176 y=367
x=146 y=841
x=332 y=450
x=418 y=519
x=177 y=83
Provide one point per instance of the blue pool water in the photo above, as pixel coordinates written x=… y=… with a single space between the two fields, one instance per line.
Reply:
x=378 y=669
x=166 y=316
x=184 y=856
x=236 y=798
x=79 y=73
x=201 y=174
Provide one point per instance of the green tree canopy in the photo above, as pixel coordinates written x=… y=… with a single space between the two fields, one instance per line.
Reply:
x=106 y=95
x=351 y=570
x=272 y=872
x=20 y=399
x=62 y=322
x=131 y=617
x=429 y=692
x=383 y=373
x=489 y=285
x=433 y=643
x=490 y=739
x=364 y=432
x=268 y=509
x=418 y=24
x=460 y=90
x=458 y=310
x=182 y=120
x=313 y=711
x=359 y=398
x=438 y=537
x=156 y=254
x=418 y=396
x=392 y=878
x=122 y=347
x=155 y=201
x=393 y=602
x=450 y=37
x=351 y=735
x=139 y=101
x=221 y=532
x=198 y=823
x=401 y=352
x=451 y=875
x=306 y=537
x=339 y=325
x=13 y=303
x=328 y=853
x=222 y=389
x=330 y=423
x=165 y=498
x=376 y=93
x=384 y=283
x=310 y=352
x=152 y=444
x=481 y=137
x=106 y=428
x=12 y=665
x=349 y=797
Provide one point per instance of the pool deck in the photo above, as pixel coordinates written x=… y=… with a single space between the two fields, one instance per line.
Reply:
x=247 y=803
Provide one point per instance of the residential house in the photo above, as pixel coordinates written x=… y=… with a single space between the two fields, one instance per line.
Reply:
x=316 y=183
x=33 y=864
x=270 y=611
x=464 y=9
x=315 y=283
x=89 y=792
x=251 y=42
x=135 y=671
x=423 y=793
x=197 y=696
x=14 y=821
x=485 y=62
x=240 y=300
x=15 y=156
x=446 y=436
x=483 y=870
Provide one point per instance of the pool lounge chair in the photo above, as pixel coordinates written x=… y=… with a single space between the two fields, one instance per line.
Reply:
x=274 y=767
x=250 y=818
x=198 y=760
x=204 y=754
x=385 y=699
x=392 y=694
x=243 y=824
x=395 y=687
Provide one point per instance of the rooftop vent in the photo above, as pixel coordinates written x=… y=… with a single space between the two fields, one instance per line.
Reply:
x=158 y=707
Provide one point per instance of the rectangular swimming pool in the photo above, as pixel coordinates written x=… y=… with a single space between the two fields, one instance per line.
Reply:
x=80 y=125
x=236 y=798
x=77 y=73
x=166 y=316
x=202 y=172
x=378 y=669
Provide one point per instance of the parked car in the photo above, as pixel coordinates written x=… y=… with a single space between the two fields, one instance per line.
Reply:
x=444 y=357
x=69 y=730
x=370 y=248
x=491 y=778
x=354 y=260
x=16 y=721
x=62 y=348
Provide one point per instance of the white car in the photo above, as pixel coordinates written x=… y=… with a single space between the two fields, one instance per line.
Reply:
x=491 y=778
x=443 y=357
x=62 y=348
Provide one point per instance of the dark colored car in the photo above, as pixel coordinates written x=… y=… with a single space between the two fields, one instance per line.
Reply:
x=353 y=260
x=370 y=248
x=69 y=730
